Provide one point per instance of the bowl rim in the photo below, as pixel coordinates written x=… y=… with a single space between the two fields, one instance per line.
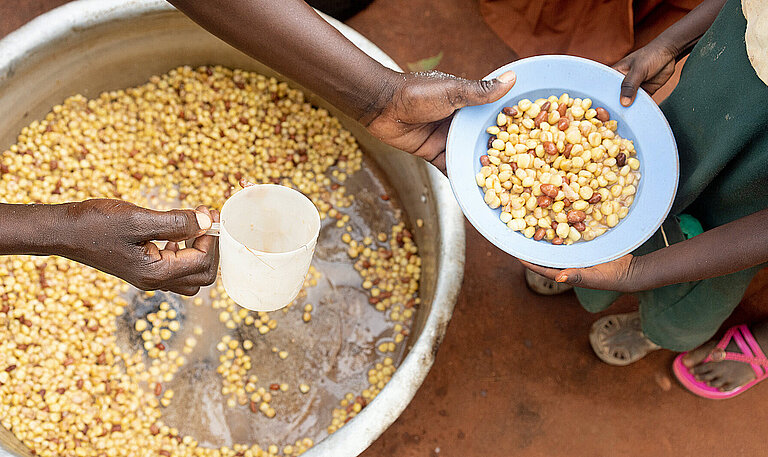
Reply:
x=455 y=161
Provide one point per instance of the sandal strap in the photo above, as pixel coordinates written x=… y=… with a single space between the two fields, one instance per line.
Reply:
x=751 y=353
x=752 y=342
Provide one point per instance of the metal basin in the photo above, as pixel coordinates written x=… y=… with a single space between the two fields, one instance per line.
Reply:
x=90 y=46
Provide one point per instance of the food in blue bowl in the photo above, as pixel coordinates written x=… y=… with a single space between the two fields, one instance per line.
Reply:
x=558 y=172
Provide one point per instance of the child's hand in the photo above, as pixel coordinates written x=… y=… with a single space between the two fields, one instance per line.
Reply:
x=616 y=275
x=416 y=114
x=650 y=67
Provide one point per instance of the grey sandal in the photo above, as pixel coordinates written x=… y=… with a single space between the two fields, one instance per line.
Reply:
x=619 y=340
x=543 y=285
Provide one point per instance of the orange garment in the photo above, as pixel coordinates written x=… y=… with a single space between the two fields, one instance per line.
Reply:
x=602 y=30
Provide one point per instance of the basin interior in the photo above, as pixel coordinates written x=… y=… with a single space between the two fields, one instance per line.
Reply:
x=125 y=53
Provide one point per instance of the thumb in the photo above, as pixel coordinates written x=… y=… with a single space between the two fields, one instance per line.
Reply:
x=174 y=225
x=480 y=92
x=570 y=276
x=634 y=77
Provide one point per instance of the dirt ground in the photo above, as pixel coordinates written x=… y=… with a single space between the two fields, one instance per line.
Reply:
x=515 y=374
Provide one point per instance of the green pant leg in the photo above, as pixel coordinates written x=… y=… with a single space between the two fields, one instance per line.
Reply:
x=681 y=317
x=595 y=301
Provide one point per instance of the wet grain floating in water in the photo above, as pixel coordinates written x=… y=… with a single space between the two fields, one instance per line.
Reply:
x=92 y=367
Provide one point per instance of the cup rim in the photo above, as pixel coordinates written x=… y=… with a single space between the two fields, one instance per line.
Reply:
x=255 y=187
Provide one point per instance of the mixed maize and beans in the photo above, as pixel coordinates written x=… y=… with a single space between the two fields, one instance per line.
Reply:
x=67 y=386
x=558 y=170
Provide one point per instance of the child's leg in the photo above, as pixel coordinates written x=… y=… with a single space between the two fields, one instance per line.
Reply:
x=683 y=316
x=595 y=301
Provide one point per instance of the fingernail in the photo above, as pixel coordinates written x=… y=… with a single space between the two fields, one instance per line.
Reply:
x=561 y=278
x=626 y=101
x=203 y=220
x=507 y=77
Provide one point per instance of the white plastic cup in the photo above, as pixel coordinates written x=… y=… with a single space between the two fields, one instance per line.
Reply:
x=268 y=235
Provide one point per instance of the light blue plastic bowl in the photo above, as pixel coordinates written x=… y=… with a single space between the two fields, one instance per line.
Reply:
x=643 y=122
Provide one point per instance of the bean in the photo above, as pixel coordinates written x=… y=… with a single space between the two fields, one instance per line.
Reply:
x=595 y=198
x=509 y=111
x=545 y=106
x=539 y=235
x=562 y=108
x=602 y=114
x=484 y=160
x=563 y=123
x=576 y=216
x=549 y=147
x=580 y=226
x=541 y=117
x=621 y=159
x=567 y=151
x=544 y=201
x=557 y=241
x=490 y=142
x=549 y=190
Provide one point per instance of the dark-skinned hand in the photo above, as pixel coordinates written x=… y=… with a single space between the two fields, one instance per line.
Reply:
x=616 y=275
x=416 y=114
x=116 y=237
x=650 y=67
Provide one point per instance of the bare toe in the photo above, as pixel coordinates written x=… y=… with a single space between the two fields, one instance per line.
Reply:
x=700 y=370
x=697 y=355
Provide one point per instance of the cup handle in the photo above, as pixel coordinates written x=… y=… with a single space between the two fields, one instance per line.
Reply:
x=214 y=230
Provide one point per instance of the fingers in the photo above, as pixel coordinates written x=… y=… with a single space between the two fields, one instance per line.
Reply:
x=439 y=162
x=433 y=149
x=202 y=257
x=632 y=81
x=550 y=273
x=473 y=92
x=185 y=290
x=174 y=225
x=182 y=270
x=572 y=275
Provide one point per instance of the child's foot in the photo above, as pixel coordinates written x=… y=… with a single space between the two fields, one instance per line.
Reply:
x=725 y=375
x=619 y=340
x=543 y=285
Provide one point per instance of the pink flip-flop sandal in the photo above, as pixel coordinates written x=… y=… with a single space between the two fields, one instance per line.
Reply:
x=751 y=353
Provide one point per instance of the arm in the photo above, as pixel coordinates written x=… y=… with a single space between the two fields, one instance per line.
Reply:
x=291 y=38
x=116 y=237
x=651 y=66
x=408 y=111
x=726 y=249
x=683 y=35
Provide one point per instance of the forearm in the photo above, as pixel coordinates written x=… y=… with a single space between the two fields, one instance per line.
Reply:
x=685 y=33
x=291 y=38
x=726 y=249
x=33 y=229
